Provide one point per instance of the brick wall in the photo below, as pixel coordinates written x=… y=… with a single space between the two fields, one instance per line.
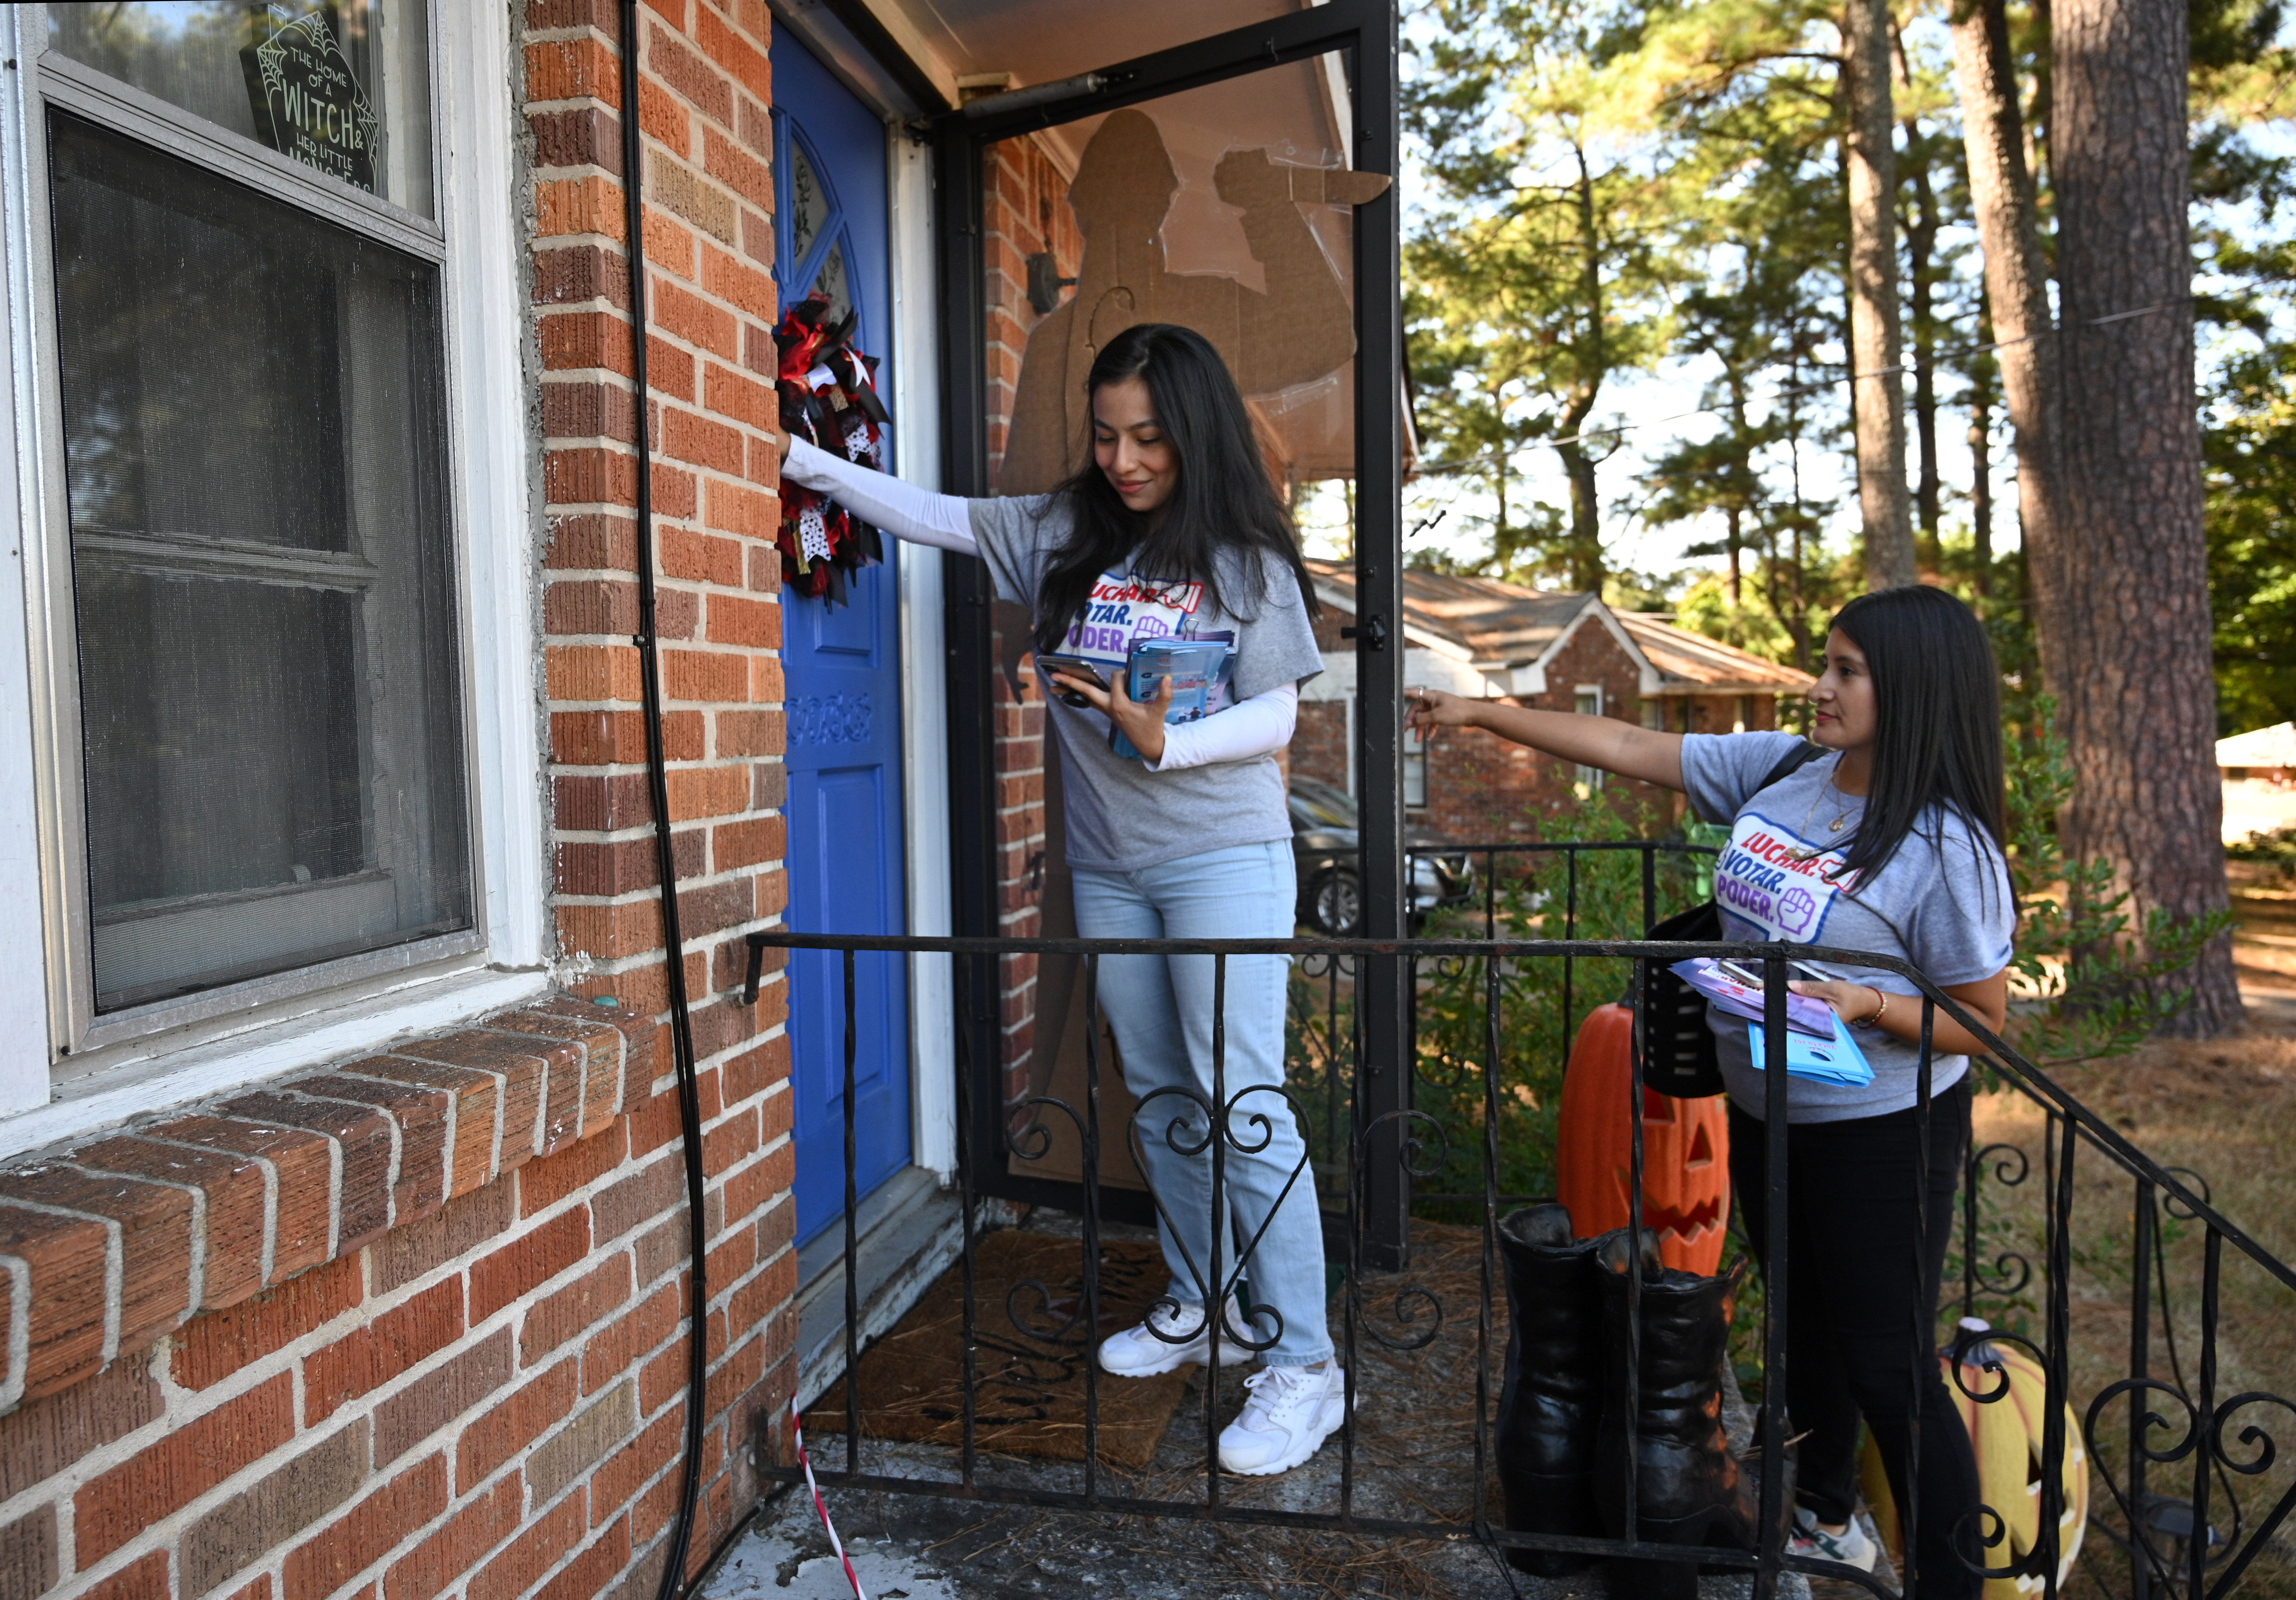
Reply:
x=410 y=1325
x=705 y=90
x=1319 y=742
x=1026 y=209
x=417 y=1325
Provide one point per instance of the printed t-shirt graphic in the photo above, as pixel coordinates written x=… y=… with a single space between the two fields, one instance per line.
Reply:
x=1125 y=607
x=1776 y=883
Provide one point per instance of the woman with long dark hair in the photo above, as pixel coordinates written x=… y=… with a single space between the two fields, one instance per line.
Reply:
x=1891 y=841
x=1173 y=529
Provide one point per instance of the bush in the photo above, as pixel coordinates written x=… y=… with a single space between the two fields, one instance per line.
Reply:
x=2276 y=850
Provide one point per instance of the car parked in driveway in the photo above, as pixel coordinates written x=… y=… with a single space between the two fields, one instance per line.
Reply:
x=1327 y=844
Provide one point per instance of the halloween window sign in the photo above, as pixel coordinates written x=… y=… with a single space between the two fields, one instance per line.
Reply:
x=829 y=399
x=308 y=105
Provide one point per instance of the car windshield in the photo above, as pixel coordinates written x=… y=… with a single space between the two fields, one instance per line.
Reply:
x=1321 y=804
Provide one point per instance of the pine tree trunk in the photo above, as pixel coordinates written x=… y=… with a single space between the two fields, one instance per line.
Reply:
x=1583 y=551
x=1880 y=409
x=1980 y=475
x=2137 y=681
x=2017 y=296
x=1921 y=251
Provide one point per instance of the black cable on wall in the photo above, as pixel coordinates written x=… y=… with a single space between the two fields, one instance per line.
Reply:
x=681 y=1017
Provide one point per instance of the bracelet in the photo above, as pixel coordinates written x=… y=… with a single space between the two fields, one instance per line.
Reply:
x=1879 y=1011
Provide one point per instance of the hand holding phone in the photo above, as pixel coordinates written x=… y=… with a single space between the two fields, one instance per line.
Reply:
x=1070 y=666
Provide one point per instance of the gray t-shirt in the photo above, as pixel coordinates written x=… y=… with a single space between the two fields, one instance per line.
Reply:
x=1122 y=817
x=1949 y=912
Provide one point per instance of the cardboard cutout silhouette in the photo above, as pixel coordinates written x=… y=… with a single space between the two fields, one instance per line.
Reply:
x=1299 y=328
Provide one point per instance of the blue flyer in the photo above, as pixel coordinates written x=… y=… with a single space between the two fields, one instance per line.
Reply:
x=1838 y=1060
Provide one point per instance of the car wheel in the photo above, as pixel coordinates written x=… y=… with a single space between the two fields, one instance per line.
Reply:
x=1335 y=905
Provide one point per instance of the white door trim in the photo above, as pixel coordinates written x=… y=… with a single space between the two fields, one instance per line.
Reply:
x=924 y=663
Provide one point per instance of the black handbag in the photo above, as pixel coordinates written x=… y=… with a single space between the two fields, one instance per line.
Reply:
x=1678 y=1055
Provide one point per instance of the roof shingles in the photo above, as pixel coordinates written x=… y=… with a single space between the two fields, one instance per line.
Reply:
x=1493 y=624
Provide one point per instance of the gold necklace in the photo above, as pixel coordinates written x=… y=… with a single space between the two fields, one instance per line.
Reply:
x=1841 y=820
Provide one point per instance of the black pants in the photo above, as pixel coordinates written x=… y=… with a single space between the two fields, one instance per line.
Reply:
x=1858 y=1305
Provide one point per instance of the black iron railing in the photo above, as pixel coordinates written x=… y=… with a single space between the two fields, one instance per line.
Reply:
x=2172 y=1450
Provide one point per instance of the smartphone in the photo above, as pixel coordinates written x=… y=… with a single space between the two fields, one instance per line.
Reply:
x=1751 y=976
x=1072 y=667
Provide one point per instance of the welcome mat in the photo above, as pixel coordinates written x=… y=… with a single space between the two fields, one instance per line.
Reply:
x=1033 y=1351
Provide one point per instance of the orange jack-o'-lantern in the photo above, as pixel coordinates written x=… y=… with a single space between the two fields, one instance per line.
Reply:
x=1685 y=1150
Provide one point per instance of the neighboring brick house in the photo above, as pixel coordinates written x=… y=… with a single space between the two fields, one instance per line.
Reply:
x=1549 y=651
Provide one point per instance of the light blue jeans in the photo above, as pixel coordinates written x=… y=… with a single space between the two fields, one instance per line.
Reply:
x=1161 y=1009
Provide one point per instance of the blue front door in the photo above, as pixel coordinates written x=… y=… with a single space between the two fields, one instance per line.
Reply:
x=844 y=684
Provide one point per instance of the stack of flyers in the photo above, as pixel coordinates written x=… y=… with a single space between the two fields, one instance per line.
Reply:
x=1837 y=1061
x=1818 y=1046
x=1199 y=669
x=1727 y=985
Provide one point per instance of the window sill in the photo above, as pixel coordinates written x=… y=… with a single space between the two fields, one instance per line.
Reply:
x=109 y=1243
x=104 y=1086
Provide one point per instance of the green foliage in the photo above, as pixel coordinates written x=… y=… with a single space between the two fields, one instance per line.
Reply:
x=2098 y=991
x=1537 y=268
x=1656 y=186
x=2249 y=456
x=1542 y=999
x=2276 y=850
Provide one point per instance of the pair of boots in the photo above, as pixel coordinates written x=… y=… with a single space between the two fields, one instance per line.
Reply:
x=1563 y=1425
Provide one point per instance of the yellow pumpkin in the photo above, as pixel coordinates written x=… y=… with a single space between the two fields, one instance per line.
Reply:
x=2007 y=1435
x=1685 y=1150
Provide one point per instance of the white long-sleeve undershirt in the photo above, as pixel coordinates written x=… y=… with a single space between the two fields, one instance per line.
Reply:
x=1258 y=726
x=901 y=509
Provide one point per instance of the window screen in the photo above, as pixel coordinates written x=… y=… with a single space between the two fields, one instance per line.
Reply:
x=342 y=88
x=262 y=576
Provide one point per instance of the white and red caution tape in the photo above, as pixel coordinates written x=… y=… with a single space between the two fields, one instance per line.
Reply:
x=796 y=1433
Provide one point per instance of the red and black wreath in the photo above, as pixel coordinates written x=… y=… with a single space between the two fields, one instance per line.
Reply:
x=829 y=399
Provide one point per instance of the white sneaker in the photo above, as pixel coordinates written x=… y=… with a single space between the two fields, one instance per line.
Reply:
x=1173 y=1337
x=1850 y=1547
x=1287 y=1415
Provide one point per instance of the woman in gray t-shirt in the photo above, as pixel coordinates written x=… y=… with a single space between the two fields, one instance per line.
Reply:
x=1891 y=842
x=1173 y=529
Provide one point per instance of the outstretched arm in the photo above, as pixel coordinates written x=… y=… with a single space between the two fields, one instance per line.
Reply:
x=1593 y=741
x=901 y=509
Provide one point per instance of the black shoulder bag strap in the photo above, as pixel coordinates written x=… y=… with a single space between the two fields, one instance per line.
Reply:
x=1678 y=1056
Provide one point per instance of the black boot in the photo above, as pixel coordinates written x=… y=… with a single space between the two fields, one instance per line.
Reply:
x=1689 y=1488
x=1553 y=1401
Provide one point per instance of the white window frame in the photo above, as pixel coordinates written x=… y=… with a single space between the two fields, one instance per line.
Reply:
x=1414 y=769
x=1589 y=779
x=95 y=1070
